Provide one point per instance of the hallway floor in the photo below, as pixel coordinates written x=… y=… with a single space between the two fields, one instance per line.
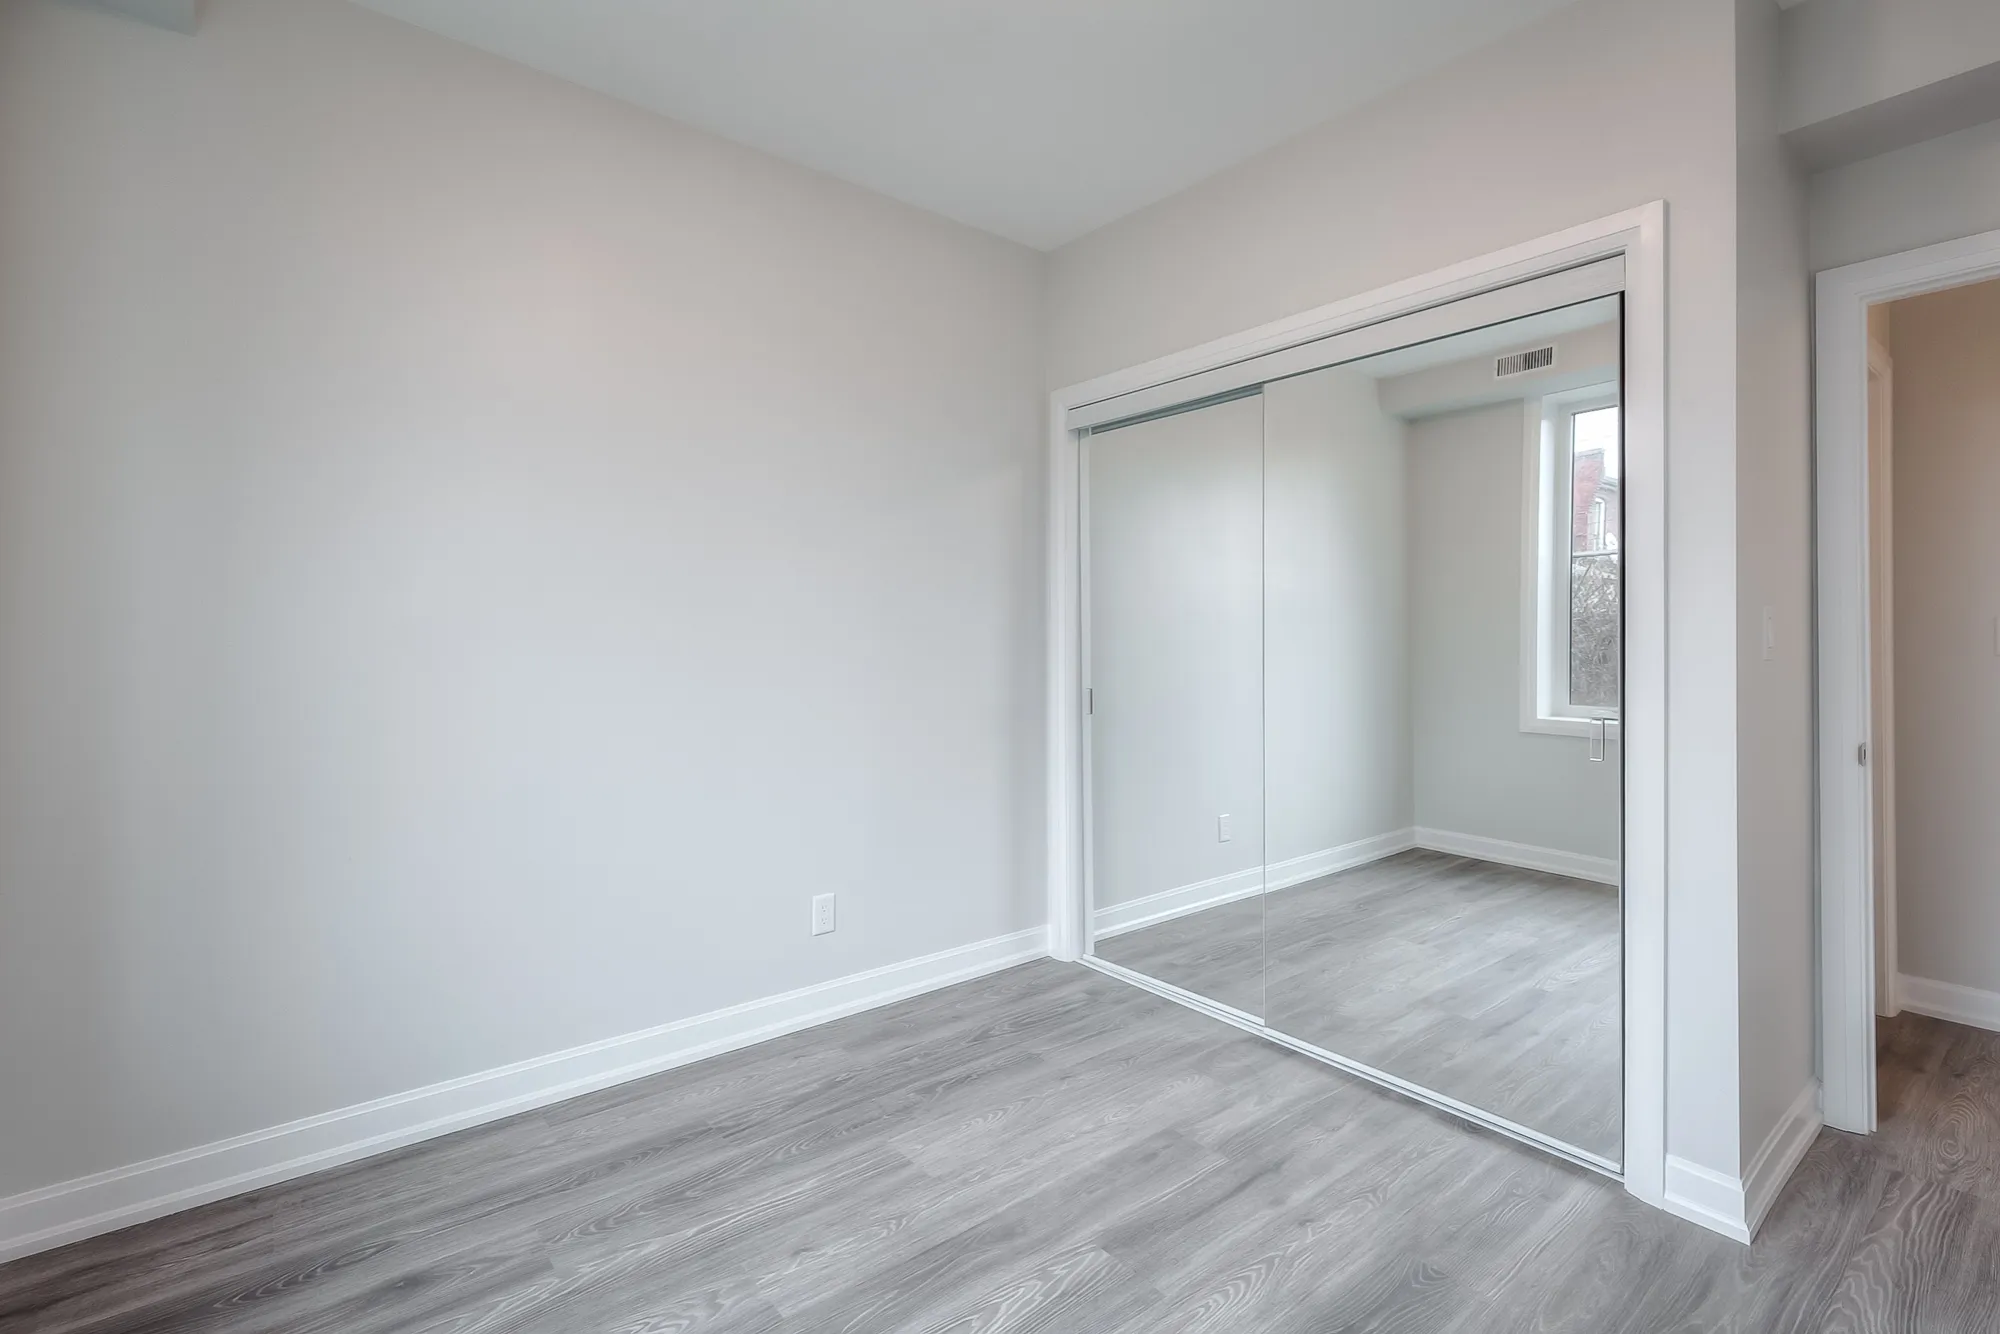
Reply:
x=1049 y=1149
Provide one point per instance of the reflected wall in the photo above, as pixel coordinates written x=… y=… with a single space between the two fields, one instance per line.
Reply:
x=1173 y=571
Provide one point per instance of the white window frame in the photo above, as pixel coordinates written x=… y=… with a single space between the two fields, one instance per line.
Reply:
x=1546 y=519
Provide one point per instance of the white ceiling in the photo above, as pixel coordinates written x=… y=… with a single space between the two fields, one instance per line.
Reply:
x=1039 y=120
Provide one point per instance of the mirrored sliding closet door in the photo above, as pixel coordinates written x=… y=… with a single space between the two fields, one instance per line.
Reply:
x=1441 y=628
x=1355 y=641
x=1174 y=591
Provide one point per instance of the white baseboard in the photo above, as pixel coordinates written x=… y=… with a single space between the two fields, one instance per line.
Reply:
x=1948 y=1000
x=1203 y=894
x=1705 y=1196
x=69 y=1211
x=1735 y=1206
x=1603 y=870
x=1778 y=1157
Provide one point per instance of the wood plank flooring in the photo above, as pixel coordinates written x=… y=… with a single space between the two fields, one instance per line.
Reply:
x=1051 y=1150
x=1496 y=986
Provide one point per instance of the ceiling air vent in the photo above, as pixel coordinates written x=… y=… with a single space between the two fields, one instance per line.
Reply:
x=1520 y=363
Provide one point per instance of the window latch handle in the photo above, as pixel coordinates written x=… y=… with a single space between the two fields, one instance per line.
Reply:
x=1598 y=727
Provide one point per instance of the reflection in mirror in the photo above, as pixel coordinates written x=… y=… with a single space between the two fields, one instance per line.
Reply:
x=1173 y=549
x=1443 y=786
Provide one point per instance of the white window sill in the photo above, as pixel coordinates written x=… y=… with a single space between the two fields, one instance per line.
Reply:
x=1583 y=728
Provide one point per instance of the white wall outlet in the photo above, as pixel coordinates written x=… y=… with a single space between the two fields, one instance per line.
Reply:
x=822 y=914
x=1224 y=829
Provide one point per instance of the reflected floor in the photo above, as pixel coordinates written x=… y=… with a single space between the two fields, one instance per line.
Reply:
x=1217 y=953
x=1490 y=984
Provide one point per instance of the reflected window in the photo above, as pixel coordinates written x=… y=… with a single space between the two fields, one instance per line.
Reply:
x=1594 y=583
x=1575 y=583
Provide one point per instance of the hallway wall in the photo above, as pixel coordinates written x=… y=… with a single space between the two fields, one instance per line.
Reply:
x=1938 y=190
x=1947 y=635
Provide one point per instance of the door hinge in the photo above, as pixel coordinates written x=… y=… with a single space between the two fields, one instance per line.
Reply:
x=1861 y=753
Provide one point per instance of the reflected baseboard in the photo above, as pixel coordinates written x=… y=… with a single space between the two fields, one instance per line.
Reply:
x=1556 y=861
x=1153 y=909
x=1136 y=914
x=1298 y=870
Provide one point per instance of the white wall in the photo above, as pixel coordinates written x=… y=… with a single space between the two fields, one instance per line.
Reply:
x=1774 y=743
x=1947 y=590
x=1837 y=57
x=474 y=558
x=1477 y=772
x=1176 y=650
x=1644 y=109
x=1938 y=190
x=1337 y=672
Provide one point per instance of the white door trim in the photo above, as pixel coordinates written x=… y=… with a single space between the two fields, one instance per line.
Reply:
x=1846 y=833
x=1639 y=235
x=1882 y=660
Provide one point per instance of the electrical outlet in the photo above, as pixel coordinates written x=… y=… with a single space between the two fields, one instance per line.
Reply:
x=1224 y=829
x=822 y=914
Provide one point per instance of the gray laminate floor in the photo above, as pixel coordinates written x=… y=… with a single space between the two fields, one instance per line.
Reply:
x=1052 y=1150
x=1496 y=986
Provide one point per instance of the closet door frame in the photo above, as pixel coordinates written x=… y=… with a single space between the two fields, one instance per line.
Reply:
x=1639 y=236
